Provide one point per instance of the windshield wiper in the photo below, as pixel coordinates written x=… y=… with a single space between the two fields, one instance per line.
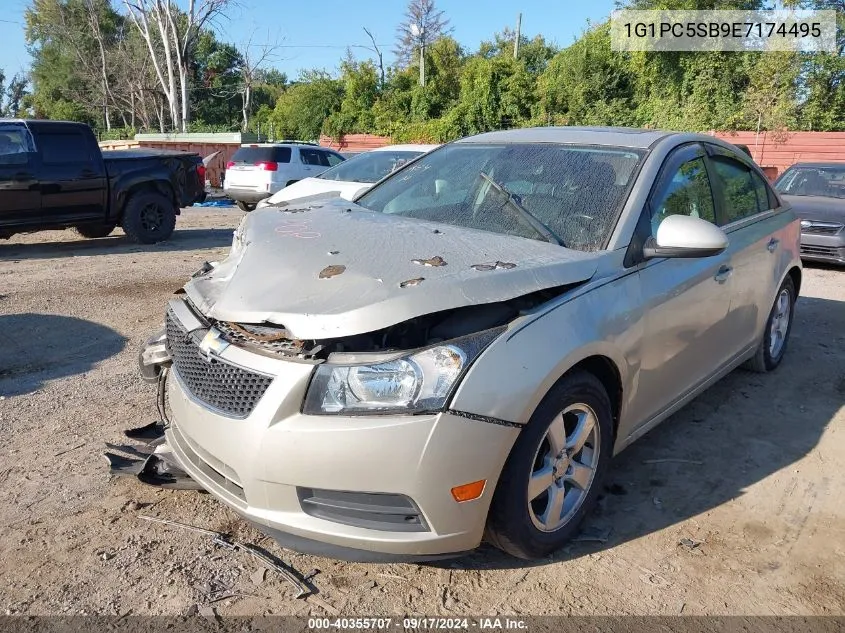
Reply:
x=526 y=215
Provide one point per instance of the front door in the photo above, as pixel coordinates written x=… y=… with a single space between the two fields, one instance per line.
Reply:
x=20 y=199
x=685 y=301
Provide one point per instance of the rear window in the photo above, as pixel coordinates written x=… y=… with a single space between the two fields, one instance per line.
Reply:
x=253 y=155
x=64 y=148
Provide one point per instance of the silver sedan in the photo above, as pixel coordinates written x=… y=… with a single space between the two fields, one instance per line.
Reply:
x=458 y=354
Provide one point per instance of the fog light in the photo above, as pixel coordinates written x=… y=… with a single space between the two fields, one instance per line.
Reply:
x=468 y=492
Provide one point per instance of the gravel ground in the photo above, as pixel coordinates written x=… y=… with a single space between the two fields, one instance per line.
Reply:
x=753 y=522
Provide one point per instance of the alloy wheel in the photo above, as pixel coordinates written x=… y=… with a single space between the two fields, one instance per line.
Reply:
x=564 y=467
x=780 y=323
x=152 y=217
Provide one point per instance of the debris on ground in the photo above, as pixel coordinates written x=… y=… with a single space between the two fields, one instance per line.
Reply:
x=226 y=542
x=690 y=545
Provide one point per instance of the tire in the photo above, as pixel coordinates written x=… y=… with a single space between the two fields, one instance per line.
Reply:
x=93 y=231
x=515 y=523
x=776 y=334
x=149 y=217
x=246 y=207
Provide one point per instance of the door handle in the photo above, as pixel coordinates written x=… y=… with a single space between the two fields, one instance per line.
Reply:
x=723 y=273
x=772 y=245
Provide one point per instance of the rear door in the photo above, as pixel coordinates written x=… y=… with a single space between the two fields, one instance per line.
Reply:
x=20 y=198
x=314 y=161
x=72 y=176
x=748 y=213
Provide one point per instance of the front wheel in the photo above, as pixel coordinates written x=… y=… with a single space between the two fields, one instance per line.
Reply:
x=778 y=326
x=149 y=217
x=553 y=475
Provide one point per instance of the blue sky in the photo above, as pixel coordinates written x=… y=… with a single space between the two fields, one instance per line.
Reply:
x=315 y=33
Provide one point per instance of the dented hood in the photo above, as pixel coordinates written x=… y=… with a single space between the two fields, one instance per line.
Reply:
x=335 y=269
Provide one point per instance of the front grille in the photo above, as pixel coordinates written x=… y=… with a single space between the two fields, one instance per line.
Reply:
x=227 y=388
x=825 y=251
x=822 y=228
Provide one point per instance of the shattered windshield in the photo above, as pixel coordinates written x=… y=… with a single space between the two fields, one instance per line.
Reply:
x=369 y=167
x=568 y=194
x=813 y=181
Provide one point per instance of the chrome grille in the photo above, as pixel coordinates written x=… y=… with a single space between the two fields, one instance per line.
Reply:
x=227 y=388
x=822 y=228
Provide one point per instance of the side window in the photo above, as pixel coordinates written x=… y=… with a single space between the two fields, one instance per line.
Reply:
x=281 y=154
x=687 y=193
x=765 y=199
x=740 y=193
x=15 y=144
x=313 y=157
x=334 y=159
x=64 y=148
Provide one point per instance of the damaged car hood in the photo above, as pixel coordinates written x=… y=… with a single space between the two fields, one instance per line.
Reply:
x=336 y=269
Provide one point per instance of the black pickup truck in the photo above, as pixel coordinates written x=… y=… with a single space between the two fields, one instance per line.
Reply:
x=53 y=176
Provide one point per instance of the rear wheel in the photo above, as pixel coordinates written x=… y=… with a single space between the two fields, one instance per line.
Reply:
x=245 y=206
x=553 y=475
x=776 y=335
x=92 y=231
x=149 y=217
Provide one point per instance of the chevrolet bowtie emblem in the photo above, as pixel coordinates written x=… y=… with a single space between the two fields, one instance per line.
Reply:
x=212 y=342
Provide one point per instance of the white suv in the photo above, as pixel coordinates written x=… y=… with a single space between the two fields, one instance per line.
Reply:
x=260 y=170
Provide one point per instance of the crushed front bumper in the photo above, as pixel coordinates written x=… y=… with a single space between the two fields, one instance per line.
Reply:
x=369 y=488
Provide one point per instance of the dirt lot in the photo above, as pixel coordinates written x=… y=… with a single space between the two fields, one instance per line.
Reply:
x=752 y=523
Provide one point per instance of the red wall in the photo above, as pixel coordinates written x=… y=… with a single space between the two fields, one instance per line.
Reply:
x=354 y=142
x=776 y=154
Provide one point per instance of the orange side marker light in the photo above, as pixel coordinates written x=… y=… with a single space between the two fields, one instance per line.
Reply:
x=468 y=492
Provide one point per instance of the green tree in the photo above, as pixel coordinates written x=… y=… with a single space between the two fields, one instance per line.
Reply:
x=302 y=109
x=588 y=83
x=360 y=81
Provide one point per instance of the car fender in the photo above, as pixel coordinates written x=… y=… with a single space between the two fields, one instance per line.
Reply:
x=511 y=377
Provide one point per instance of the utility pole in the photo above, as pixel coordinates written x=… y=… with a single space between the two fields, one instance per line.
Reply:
x=518 y=36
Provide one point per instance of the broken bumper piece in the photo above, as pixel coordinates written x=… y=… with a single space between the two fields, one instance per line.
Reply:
x=153 y=357
x=153 y=463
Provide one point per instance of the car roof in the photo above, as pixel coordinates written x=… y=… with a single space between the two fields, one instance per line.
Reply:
x=611 y=136
x=282 y=144
x=407 y=147
x=831 y=163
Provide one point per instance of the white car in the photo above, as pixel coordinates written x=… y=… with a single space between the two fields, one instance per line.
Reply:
x=258 y=171
x=352 y=177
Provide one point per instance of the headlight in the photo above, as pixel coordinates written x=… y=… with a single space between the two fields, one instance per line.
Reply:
x=412 y=383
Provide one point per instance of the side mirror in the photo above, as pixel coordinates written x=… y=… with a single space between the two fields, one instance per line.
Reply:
x=685 y=236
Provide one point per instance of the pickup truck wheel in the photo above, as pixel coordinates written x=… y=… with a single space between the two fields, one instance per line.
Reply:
x=245 y=206
x=92 y=231
x=149 y=217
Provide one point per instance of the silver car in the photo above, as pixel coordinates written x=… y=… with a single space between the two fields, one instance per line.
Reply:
x=458 y=354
